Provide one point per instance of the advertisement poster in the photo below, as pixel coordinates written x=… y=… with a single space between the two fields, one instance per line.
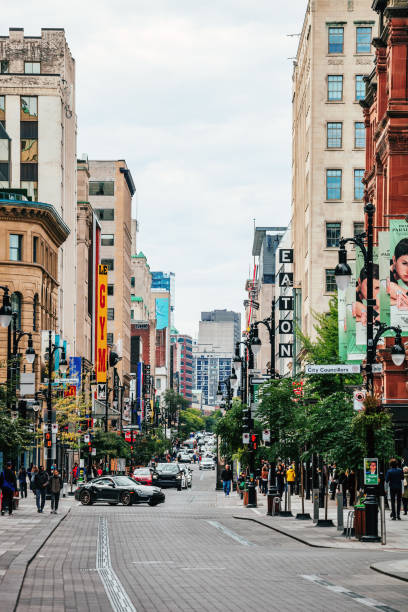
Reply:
x=341 y=301
x=355 y=353
x=360 y=304
x=371 y=471
x=398 y=280
x=384 y=267
x=102 y=323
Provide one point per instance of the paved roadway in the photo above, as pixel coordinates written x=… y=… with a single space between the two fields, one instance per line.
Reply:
x=189 y=554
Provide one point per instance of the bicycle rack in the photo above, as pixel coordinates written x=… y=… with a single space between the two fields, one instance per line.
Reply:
x=349 y=523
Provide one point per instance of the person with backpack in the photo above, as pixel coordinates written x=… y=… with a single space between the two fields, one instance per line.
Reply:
x=22 y=481
x=55 y=488
x=8 y=485
x=40 y=487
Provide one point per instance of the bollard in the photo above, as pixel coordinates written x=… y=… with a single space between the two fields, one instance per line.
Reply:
x=315 y=505
x=340 y=521
x=286 y=511
x=382 y=517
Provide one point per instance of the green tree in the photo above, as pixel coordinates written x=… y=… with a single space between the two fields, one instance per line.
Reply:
x=173 y=403
x=211 y=420
x=190 y=419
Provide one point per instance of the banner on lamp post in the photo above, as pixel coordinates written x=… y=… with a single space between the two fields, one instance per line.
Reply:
x=102 y=323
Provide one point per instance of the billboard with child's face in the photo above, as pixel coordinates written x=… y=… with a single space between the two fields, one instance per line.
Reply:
x=394 y=275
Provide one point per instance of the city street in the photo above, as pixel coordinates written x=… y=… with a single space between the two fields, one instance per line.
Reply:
x=191 y=554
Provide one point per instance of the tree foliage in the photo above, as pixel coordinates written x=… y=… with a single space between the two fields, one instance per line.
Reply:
x=190 y=419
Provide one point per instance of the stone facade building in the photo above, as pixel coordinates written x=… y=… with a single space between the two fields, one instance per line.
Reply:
x=333 y=57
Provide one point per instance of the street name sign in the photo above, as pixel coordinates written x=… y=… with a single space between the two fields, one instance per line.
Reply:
x=266 y=435
x=259 y=381
x=333 y=368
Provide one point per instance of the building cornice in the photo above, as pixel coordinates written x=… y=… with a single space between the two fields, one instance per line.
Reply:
x=43 y=213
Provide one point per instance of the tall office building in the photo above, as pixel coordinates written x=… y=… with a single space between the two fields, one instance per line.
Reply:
x=183 y=364
x=328 y=134
x=221 y=329
x=166 y=281
x=37 y=109
x=211 y=367
x=111 y=189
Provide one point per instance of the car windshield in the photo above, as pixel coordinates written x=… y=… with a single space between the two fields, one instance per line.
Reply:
x=167 y=467
x=142 y=472
x=123 y=481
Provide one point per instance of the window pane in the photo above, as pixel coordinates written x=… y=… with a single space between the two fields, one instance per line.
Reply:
x=15 y=247
x=4 y=172
x=358 y=185
x=330 y=281
x=4 y=66
x=29 y=129
x=111 y=314
x=105 y=214
x=333 y=184
x=110 y=289
x=336 y=38
x=363 y=40
x=35 y=249
x=358 y=228
x=32 y=67
x=108 y=263
x=32 y=188
x=29 y=151
x=334 y=135
x=360 y=87
x=16 y=307
x=29 y=108
x=101 y=188
x=107 y=239
x=359 y=135
x=132 y=281
x=109 y=339
x=333 y=234
x=335 y=87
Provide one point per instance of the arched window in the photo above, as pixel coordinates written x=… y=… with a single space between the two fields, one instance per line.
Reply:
x=35 y=312
x=16 y=302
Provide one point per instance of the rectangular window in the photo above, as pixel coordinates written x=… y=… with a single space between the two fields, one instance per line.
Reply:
x=4 y=66
x=105 y=214
x=334 y=135
x=29 y=129
x=109 y=338
x=360 y=87
x=132 y=282
x=29 y=178
x=330 y=281
x=29 y=151
x=108 y=263
x=359 y=135
x=4 y=175
x=336 y=40
x=32 y=67
x=111 y=314
x=358 y=185
x=101 y=188
x=107 y=239
x=110 y=289
x=363 y=40
x=333 y=234
x=31 y=188
x=358 y=228
x=28 y=108
x=335 y=87
x=333 y=184
x=132 y=314
x=35 y=249
x=16 y=241
x=3 y=110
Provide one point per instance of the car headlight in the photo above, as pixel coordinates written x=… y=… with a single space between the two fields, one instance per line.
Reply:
x=178 y=476
x=154 y=477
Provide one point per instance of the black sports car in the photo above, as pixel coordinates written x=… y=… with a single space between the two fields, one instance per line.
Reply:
x=170 y=475
x=115 y=489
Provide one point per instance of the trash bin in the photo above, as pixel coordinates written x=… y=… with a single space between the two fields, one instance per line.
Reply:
x=359 y=521
x=245 y=497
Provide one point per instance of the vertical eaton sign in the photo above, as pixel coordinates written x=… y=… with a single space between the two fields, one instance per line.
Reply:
x=139 y=393
x=101 y=324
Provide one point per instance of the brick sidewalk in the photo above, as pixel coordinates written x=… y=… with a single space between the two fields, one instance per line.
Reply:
x=21 y=536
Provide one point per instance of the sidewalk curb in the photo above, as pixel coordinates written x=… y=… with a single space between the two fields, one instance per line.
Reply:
x=285 y=533
x=388 y=573
x=12 y=583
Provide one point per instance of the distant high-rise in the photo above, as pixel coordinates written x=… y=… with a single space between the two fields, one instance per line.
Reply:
x=221 y=329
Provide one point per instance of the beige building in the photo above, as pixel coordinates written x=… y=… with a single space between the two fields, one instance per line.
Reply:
x=37 y=107
x=143 y=308
x=333 y=56
x=111 y=189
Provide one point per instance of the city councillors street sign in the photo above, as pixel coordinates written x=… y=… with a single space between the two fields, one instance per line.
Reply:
x=333 y=368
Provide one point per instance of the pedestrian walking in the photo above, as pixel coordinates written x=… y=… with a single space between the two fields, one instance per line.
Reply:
x=8 y=485
x=55 y=487
x=22 y=481
x=226 y=477
x=394 y=477
x=40 y=487
x=34 y=471
x=75 y=473
x=405 y=492
x=264 y=478
x=280 y=478
x=290 y=478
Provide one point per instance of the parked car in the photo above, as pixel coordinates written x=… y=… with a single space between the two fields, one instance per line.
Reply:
x=118 y=489
x=170 y=475
x=145 y=475
x=188 y=474
x=207 y=464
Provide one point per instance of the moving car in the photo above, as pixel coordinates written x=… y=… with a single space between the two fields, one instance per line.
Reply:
x=118 y=489
x=146 y=476
x=207 y=464
x=184 y=457
x=170 y=475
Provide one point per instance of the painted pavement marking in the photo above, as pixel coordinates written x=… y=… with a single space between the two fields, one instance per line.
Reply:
x=230 y=533
x=361 y=599
x=117 y=595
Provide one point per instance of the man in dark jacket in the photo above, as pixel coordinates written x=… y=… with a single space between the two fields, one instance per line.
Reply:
x=40 y=487
x=394 y=477
x=226 y=477
x=55 y=487
x=8 y=485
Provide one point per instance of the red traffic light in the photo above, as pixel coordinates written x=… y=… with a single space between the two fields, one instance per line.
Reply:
x=253 y=437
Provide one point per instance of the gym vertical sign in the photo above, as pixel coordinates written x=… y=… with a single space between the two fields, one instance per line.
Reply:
x=102 y=323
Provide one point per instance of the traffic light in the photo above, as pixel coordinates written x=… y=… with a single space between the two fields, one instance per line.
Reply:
x=254 y=443
x=246 y=419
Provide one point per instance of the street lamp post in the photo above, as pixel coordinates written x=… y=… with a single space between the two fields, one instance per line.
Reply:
x=343 y=277
x=63 y=366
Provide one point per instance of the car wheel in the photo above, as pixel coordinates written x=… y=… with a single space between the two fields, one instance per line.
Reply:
x=152 y=502
x=125 y=498
x=85 y=498
x=113 y=503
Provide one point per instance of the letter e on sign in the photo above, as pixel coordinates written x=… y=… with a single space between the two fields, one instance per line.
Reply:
x=285 y=256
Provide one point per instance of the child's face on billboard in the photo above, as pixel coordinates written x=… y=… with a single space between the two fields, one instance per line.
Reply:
x=401 y=267
x=362 y=285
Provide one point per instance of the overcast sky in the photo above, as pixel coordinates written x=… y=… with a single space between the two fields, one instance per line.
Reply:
x=196 y=96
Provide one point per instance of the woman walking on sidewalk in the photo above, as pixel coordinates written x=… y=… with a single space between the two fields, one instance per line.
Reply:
x=8 y=485
x=54 y=487
x=22 y=480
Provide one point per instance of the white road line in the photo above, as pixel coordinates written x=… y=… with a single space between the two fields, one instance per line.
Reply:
x=230 y=533
x=256 y=511
x=117 y=595
x=364 y=601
